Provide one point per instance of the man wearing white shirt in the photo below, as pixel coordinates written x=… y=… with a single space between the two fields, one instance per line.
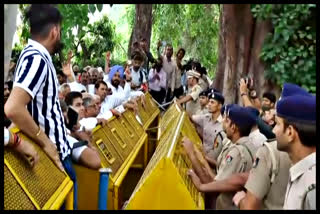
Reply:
x=157 y=81
x=108 y=102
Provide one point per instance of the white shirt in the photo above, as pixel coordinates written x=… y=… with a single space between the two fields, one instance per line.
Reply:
x=257 y=138
x=88 y=123
x=122 y=94
x=75 y=86
x=302 y=175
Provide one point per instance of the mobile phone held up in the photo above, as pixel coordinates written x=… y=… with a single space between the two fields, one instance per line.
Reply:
x=72 y=117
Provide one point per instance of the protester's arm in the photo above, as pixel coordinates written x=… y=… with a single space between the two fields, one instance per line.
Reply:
x=244 y=93
x=67 y=68
x=23 y=147
x=106 y=67
x=16 y=111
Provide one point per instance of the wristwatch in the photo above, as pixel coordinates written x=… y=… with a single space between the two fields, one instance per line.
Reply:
x=243 y=94
x=253 y=94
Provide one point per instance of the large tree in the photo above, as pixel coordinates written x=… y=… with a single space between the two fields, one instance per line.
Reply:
x=270 y=43
x=142 y=25
x=88 y=42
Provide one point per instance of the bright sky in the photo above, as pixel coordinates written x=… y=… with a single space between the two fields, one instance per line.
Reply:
x=112 y=13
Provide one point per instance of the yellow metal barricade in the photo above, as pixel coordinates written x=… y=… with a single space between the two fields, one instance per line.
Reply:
x=150 y=117
x=42 y=187
x=118 y=144
x=165 y=183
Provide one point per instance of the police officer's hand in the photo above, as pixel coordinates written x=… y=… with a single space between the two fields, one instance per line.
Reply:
x=51 y=150
x=188 y=145
x=243 y=86
x=195 y=179
x=27 y=150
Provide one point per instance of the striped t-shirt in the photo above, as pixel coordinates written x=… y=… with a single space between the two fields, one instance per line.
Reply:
x=36 y=75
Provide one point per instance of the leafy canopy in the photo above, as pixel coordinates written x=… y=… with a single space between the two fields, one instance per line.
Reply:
x=289 y=52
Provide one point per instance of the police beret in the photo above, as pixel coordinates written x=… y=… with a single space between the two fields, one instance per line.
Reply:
x=204 y=93
x=224 y=107
x=253 y=111
x=211 y=90
x=193 y=73
x=291 y=89
x=216 y=96
x=240 y=116
x=298 y=108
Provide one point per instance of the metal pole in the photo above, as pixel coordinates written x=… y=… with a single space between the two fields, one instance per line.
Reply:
x=103 y=188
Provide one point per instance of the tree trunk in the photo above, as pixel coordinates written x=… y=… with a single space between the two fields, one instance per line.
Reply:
x=256 y=67
x=240 y=44
x=143 y=25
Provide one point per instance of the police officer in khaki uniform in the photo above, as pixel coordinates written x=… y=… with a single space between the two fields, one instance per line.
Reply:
x=267 y=181
x=295 y=131
x=192 y=97
x=203 y=100
x=239 y=156
x=211 y=125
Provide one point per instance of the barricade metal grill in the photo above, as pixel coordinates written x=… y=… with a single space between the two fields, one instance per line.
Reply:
x=165 y=183
x=41 y=187
x=118 y=144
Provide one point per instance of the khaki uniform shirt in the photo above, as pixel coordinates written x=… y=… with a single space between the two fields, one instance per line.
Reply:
x=257 y=138
x=193 y=105
x=239 y=159
x=210 y=130
x=302 y=176
x=259 y=181
x=202 y=111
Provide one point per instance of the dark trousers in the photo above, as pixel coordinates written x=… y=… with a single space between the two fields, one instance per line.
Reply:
x=178 y=92
x=67 y=164
x=158 y=95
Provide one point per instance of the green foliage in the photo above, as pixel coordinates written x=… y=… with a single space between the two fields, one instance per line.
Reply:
x=290 y=50
x=195 y=27
x=77 y=34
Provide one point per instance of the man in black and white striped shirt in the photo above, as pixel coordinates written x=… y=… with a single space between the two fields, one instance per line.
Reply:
x=36 y=87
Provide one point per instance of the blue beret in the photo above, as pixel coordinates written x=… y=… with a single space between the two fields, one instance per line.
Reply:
x=298 y=108
x=240 y=116
x=115 y=69
x=211 y=90
x=290 y=89
x=216 y=96
x=253 y=111
x=225 y=108
x=204 y=93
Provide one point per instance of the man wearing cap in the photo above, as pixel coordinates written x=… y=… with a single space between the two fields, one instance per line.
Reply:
x=211 y=125
x=238 y=123
x=192 y=97
x=295 y=131
x=203 y=100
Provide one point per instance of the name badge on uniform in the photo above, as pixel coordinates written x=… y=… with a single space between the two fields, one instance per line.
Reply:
x=255 y=164
x=229 y=159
